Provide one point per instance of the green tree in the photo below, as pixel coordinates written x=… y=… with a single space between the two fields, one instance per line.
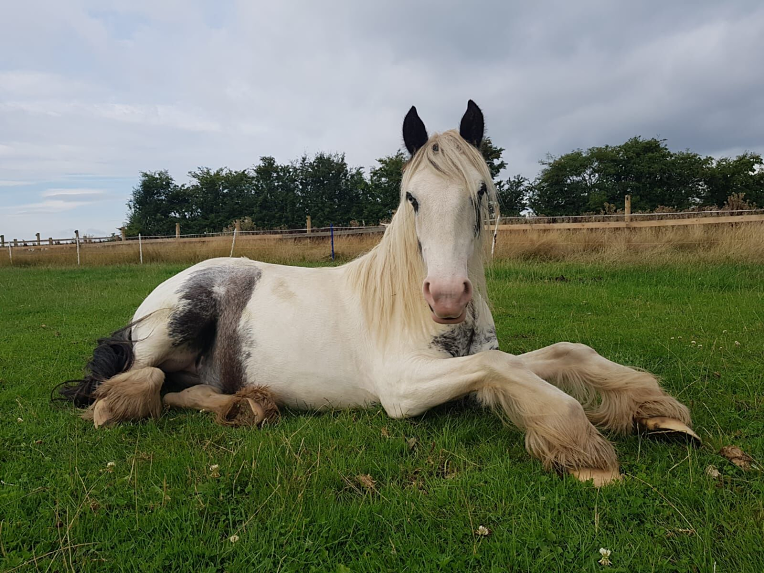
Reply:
x=585 y=181
x=492 y=155
x=512 y=194
x=328 y=189
x=153 y=208
x=276 y=202
x=218 y=197
x=384 y=189
x=742 y=174
x=564 y=185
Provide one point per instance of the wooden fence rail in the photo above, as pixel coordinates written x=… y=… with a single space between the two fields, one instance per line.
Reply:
x=635 y=224
x=509 y=224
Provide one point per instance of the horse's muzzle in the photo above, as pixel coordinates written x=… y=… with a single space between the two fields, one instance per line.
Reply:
x=448 y=299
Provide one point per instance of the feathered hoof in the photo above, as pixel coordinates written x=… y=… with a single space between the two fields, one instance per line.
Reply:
x=251 y=406
x=241 y=412
x=598 y=477
x=132 y=395
x=668 y=429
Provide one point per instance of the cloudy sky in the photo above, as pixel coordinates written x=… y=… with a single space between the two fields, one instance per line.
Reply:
x=93 y=92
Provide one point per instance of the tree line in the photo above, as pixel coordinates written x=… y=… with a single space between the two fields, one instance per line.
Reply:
x=594 y=180
x=272 y=195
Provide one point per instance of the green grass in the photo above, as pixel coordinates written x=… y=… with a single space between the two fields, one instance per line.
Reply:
x=291 y=492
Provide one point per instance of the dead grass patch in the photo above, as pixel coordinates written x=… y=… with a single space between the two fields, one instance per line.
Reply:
x=724 y=242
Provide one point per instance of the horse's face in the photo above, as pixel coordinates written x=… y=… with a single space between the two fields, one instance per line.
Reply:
x=447 y=213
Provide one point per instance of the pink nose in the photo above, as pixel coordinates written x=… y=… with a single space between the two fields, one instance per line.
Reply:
x=448 y=299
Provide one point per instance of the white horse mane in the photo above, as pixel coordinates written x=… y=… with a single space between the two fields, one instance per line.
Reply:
x=389 y=278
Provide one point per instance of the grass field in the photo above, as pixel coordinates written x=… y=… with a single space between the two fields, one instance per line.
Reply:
x=295 y=497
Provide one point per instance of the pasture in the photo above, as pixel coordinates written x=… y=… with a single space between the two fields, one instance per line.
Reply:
x=356 y=491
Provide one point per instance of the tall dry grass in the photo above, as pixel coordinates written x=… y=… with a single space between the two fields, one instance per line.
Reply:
x=741 y=242
x=273 y=249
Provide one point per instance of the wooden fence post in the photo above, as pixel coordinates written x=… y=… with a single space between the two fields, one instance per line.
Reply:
x=15 y=242
x=38 y=239
x=627 y=209
x=2 y=241
x=307 y=224
x=50 y=240
x=233 y=242
x=123 y=233
x=77 y=240
x=177 y=230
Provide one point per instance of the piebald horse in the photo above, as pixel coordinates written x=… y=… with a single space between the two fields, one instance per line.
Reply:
x=407 y=326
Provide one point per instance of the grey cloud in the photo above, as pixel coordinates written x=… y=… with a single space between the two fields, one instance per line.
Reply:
x=75 y=195
x=145 y=85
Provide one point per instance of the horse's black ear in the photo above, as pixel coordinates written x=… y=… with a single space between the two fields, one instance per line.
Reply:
x=414 y=132
x=472 y=126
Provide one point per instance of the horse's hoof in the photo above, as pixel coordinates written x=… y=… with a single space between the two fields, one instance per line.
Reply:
x=242 y=412
x=99 y=413
x=597 y=476
x=668 y=428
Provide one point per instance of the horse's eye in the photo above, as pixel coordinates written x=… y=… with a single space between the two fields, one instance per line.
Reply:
x=410 y=199
x=482 y=190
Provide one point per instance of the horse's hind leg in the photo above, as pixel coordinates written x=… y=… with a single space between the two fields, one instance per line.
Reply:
x=128 y=386
x=615 y=397
x=131 y=395
x=250 y=406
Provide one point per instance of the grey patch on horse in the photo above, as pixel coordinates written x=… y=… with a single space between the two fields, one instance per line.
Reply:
x=457 y=341
x=466 y=338
x=192 y=323
x=207 y=319
x=228 y=350
x=484 y=339
x=281 y=289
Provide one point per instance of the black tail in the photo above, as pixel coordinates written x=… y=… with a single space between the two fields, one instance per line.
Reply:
x=112 y=356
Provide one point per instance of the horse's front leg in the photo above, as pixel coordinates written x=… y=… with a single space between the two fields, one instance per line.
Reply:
x=557 y=430
x=615 y=397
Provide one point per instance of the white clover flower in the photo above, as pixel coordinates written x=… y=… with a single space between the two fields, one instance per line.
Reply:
x=234 y=538
x=605 y=560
